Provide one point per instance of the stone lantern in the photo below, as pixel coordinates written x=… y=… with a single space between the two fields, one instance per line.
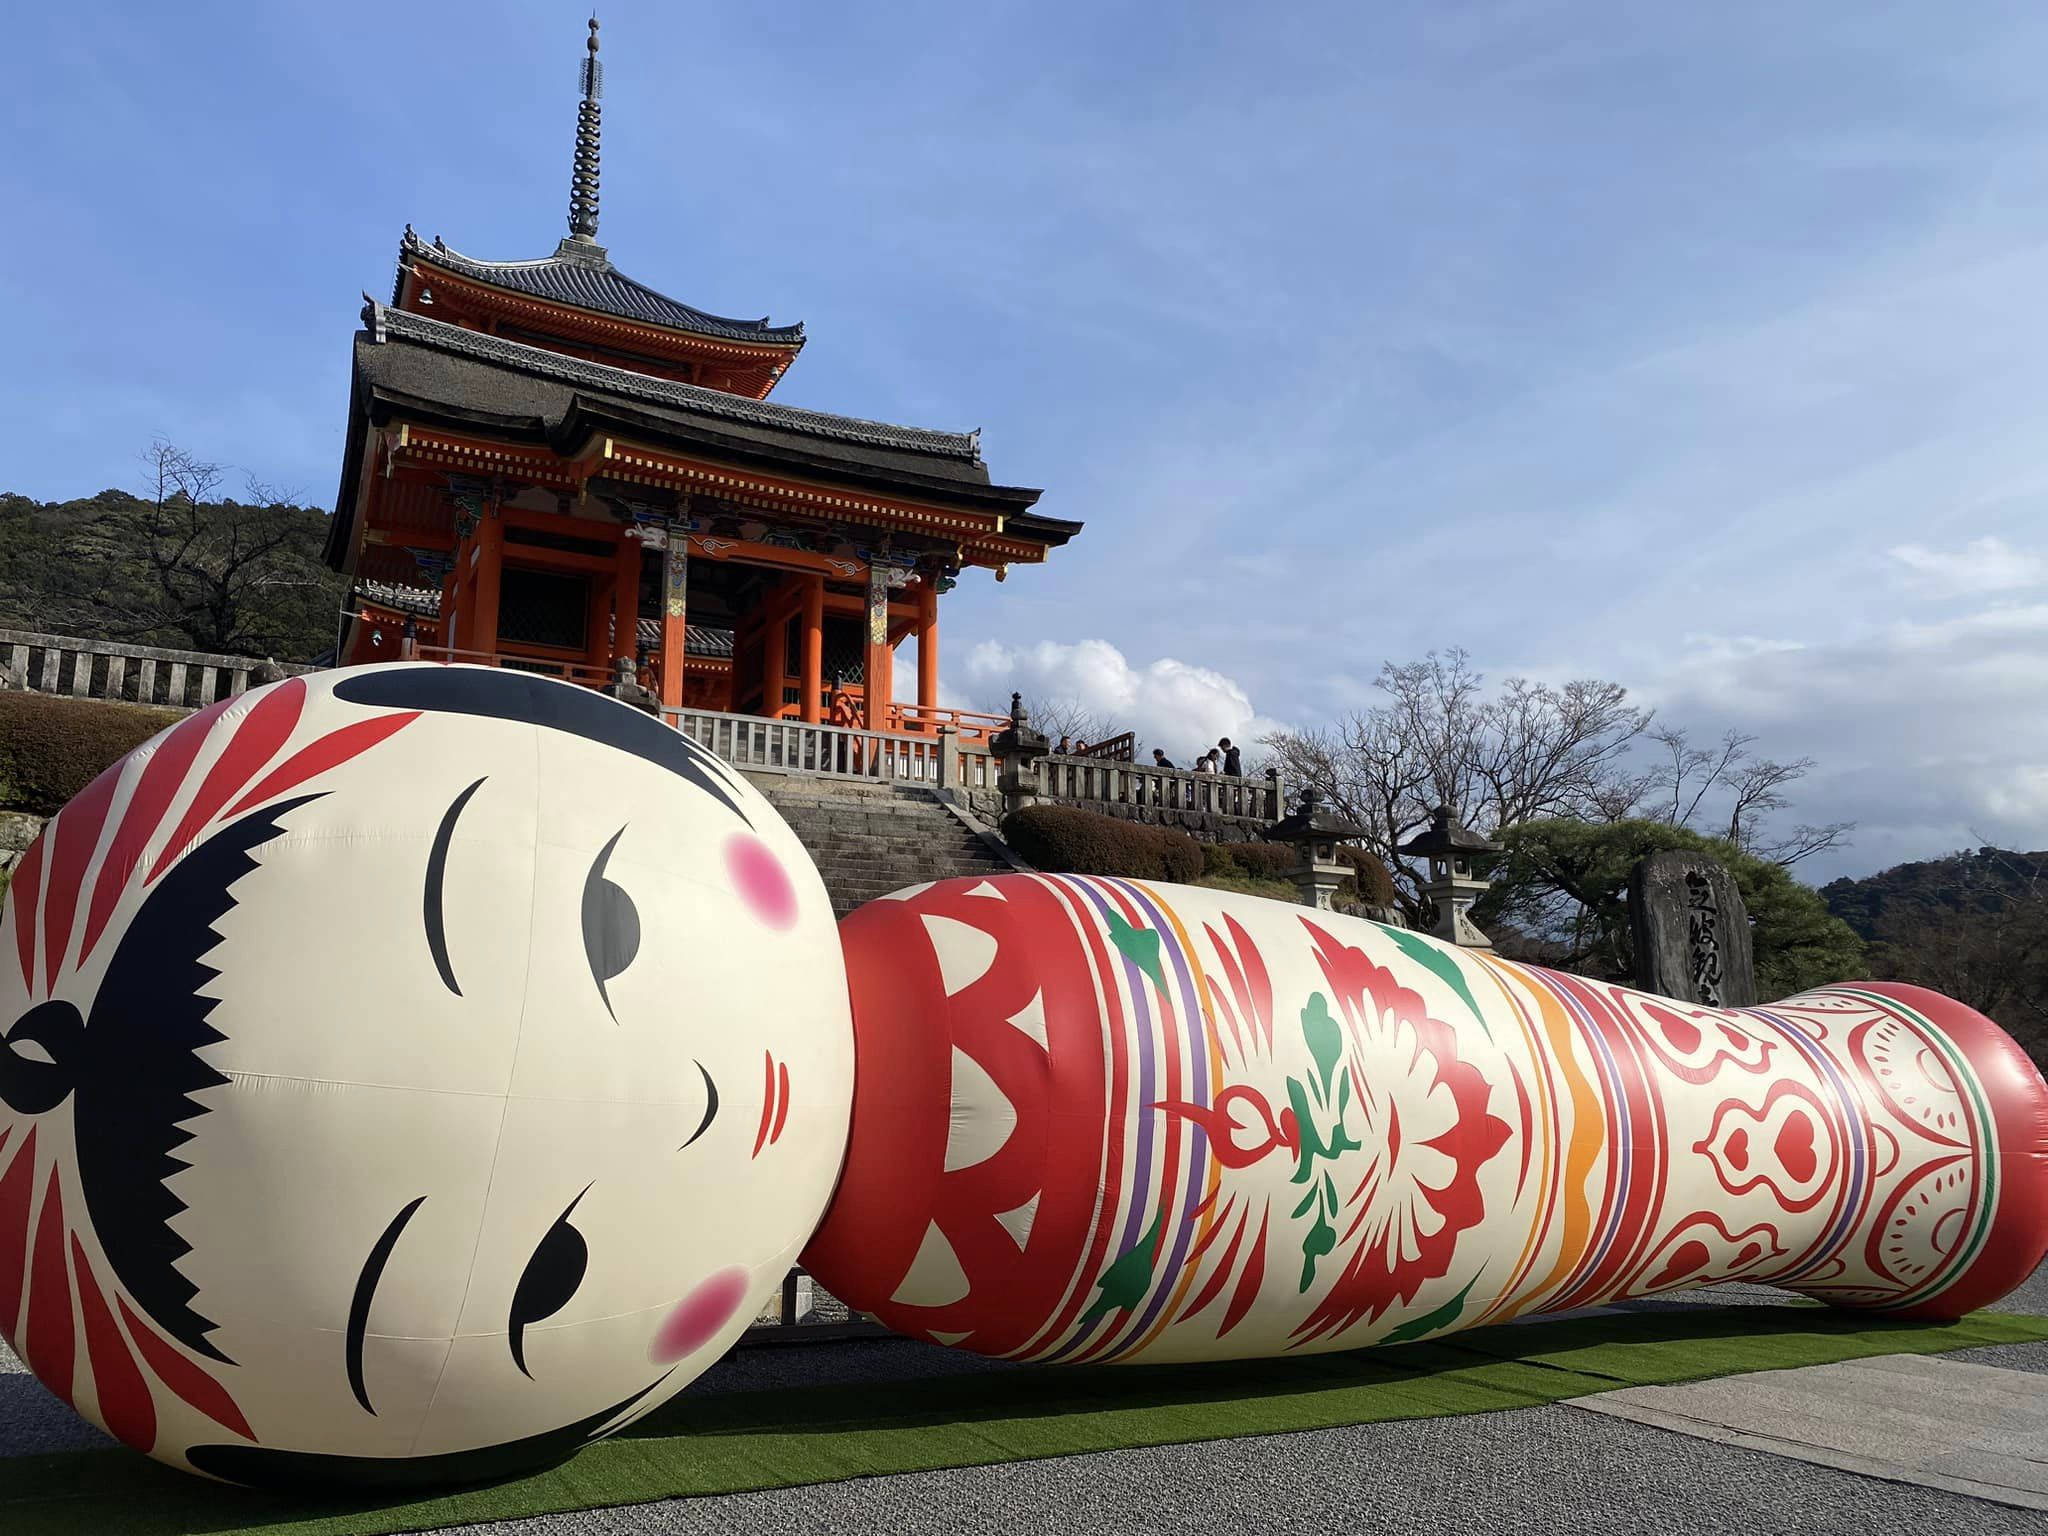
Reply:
x=1017 y=749
x=1451 y=886
x=1315 y=834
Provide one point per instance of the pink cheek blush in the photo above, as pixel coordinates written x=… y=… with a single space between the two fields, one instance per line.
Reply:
x=699 y=1315
x=761 y=881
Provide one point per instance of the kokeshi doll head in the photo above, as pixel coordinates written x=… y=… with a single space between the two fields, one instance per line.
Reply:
x=411 y=1073
x=1102 y=1119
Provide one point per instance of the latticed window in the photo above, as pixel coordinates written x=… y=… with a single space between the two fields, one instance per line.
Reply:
x=845 y=649
x=543 y=608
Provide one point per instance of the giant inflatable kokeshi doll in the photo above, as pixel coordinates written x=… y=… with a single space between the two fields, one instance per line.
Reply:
x=410 y=1074
x=1098 y=1119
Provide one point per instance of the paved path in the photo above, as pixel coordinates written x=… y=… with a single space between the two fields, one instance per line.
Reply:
x=1956 y=1425
x=1558 y=1469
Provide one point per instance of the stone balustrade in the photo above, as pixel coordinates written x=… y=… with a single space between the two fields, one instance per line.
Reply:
x=948 y=751
x=937 y=761
x=1217 y=804
x=136 y=674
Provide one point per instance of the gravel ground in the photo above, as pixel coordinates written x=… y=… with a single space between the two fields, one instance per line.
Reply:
x=1536 y=1470
x=1531 y=1470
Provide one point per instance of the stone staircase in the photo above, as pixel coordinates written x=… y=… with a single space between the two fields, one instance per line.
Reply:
x=869 y=839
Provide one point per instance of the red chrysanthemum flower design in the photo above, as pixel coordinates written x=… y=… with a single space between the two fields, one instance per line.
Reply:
x=1428 y=1133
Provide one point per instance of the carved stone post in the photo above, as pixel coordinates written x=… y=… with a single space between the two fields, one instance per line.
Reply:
x=626 y=687
x=1452 y=886
x=1690 y=931
x=1315 y=834
x=949 y=760
x=1017 y=748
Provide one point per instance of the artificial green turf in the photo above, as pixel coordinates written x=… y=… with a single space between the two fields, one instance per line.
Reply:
x=739 y=1442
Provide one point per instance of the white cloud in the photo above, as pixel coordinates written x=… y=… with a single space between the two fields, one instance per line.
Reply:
x=1982 y=565
x=1169 y=703
x=1929 y=735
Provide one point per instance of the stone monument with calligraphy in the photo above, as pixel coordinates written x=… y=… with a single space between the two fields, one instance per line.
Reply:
x=1691 y=931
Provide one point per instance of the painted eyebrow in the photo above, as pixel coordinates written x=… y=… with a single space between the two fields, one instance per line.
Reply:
x=434 y=914
x=710 y=1107
x=366 y=1290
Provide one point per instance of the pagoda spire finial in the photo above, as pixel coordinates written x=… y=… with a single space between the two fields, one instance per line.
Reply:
x=589 y=121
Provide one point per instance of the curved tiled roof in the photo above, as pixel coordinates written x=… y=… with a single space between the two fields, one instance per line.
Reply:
x=384 y=322
x=579 y=274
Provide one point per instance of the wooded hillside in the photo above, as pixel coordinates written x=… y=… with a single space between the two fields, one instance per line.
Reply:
x=239 y=578
x=1973 y=925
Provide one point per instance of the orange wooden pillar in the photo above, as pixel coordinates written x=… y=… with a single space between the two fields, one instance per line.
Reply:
x=814 y=647
x=626 y=600
x=482 y=608
x=675 y=603
x=451 y=612
x=927 y=644
x=876 y=656
x=774 y=649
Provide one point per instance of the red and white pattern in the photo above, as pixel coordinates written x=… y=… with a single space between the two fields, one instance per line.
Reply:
x=1381 y=1137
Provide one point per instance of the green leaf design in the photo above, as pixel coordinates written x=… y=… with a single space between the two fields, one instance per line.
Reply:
x=1431 y=956
x=1322 y=1237
x=1442 y=1317
x=1140 y=946
x=1124 y=1283
x=1324 y=1035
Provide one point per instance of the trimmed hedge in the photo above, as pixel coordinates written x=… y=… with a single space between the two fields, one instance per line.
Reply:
x=1063 y=841
x=51 y=748
x=1374 y=885
x=1249 y=861
x=1369 y=885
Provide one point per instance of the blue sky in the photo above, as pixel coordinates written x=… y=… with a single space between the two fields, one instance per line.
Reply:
x=1700 y=347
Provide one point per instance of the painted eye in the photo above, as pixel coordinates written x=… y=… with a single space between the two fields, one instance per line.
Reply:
x=551 y=1279
x=611 y=924
x=39 y=1058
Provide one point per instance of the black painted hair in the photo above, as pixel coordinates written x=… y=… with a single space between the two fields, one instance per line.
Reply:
x=497 y=694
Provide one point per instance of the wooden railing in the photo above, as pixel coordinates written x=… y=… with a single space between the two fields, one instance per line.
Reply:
x=568 y=671
x=917 y=720
x=1084 y=781
x=137 y=674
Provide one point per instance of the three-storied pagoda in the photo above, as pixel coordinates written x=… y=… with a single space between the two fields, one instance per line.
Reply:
x=553 y=467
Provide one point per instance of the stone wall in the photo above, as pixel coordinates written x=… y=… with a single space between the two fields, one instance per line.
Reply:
x=17 y=830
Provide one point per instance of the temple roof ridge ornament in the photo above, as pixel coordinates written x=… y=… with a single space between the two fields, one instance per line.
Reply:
x=579 y=275
x=589 y=127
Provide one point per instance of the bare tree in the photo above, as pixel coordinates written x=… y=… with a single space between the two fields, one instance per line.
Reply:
x=1524 y=751
x=216 y=566
x=1688 y=779
x=1062 y=715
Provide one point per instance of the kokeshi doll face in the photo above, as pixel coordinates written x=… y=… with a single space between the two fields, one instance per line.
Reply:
x=411 y=1074
x=1100 y=1119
